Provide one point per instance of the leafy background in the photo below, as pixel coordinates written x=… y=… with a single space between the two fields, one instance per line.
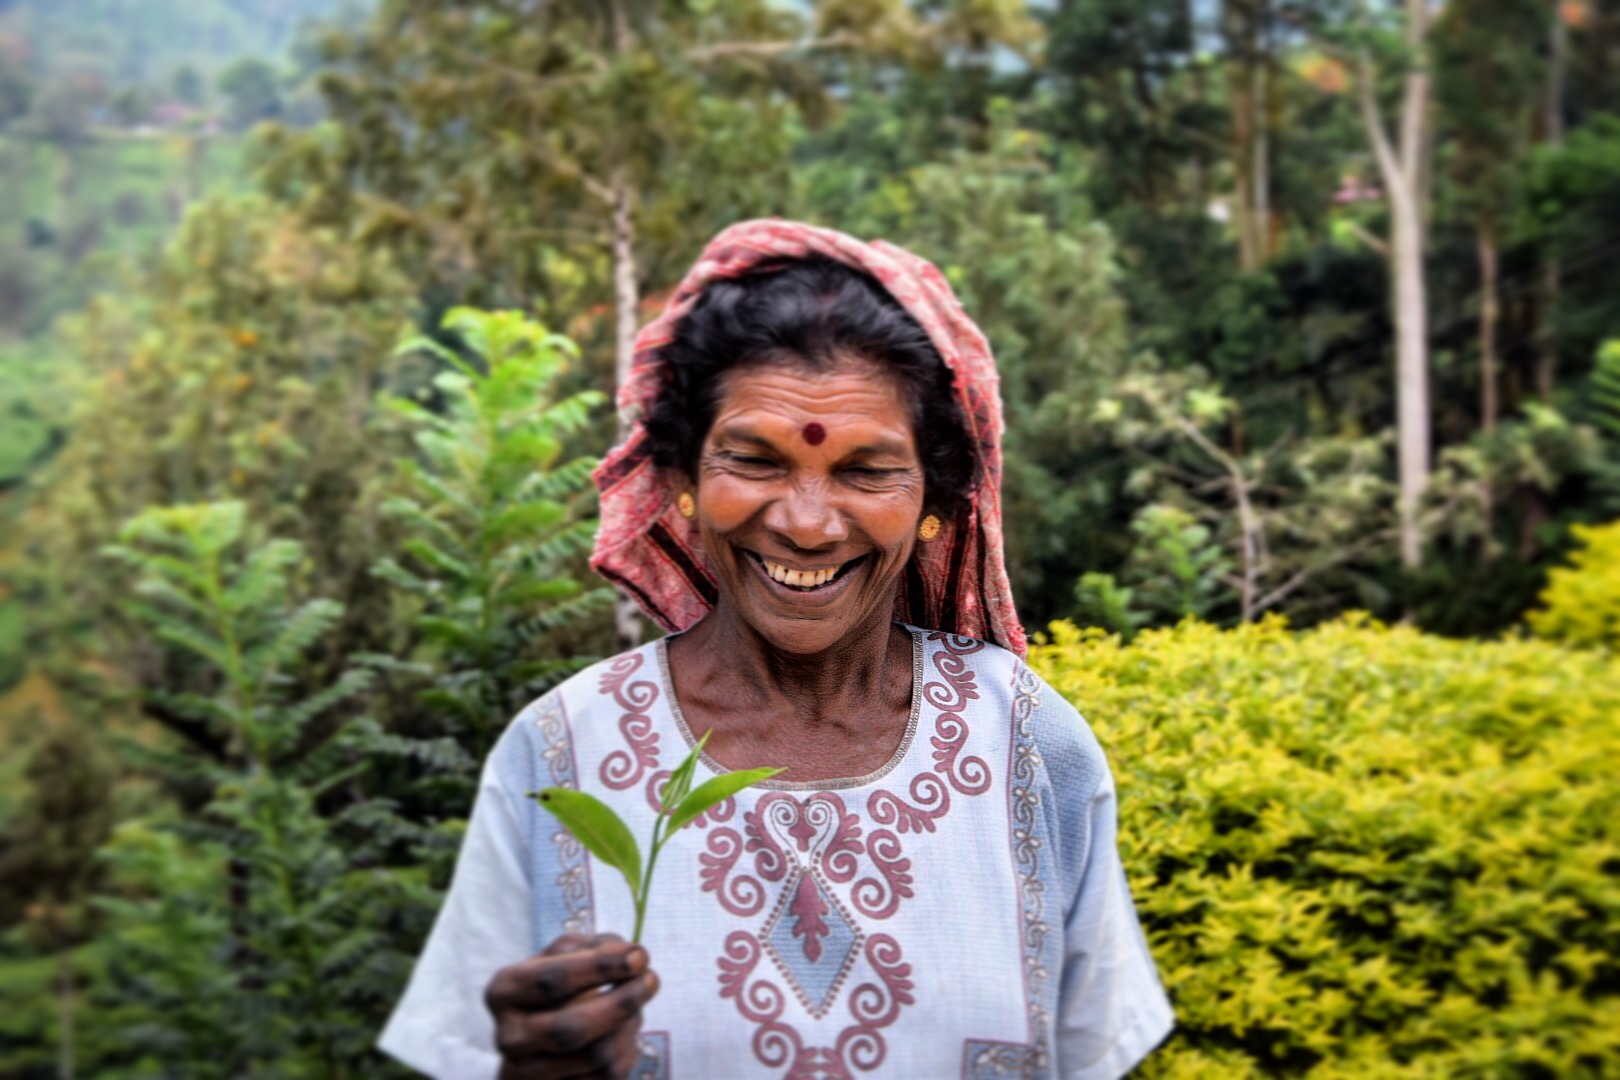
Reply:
x=310 y=311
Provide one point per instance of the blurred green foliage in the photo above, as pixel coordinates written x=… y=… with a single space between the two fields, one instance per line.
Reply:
x=493 y=522
x=1363 y=850
x=1581 y=603
x=279 y=953
x=222 y=220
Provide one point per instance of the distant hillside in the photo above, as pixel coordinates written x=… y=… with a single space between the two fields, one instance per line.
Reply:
x=141 y=41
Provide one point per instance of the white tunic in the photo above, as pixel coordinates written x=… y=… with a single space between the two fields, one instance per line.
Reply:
x=960 y=912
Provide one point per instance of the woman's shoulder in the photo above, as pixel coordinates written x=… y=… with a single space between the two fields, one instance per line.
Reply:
x=542 y=729
x=603 y=677
x=1038 y=716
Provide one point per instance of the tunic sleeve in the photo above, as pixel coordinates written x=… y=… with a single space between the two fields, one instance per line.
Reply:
x=1112 y=1010
x=441 y=1026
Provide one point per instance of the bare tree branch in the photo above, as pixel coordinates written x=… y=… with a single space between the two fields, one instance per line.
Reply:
x=1380 y=246
x=726 y=50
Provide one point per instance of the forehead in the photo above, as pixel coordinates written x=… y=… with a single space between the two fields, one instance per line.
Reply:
x=852 y=395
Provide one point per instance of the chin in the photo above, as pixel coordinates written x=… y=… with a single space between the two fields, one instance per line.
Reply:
x=799 y=637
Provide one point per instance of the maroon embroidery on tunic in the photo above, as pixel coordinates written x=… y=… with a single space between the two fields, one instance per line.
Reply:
x=970 y=775
x=876 y=1005
x=621 y=769
x=932 y=801
x=775 y=1043
x=879 y=897
x=741 y=896
x=809 y=910
x=801 y=847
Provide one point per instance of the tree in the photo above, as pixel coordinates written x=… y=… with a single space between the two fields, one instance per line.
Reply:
x=16 y=87
x=187 y=85
x=1301 y=522
x=1403 y=165
x=49 y=855
x=252 y=93
x=1485 y=85
x=1251 y=81
x=494 y=522
x=298 y=960
x=245 y=364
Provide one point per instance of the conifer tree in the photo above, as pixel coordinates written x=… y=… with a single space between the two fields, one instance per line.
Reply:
x=286 y=956
x=493 y=512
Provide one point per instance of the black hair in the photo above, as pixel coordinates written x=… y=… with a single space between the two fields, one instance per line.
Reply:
x=812 y=313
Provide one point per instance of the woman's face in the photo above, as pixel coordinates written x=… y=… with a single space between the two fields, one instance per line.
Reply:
x=809 y=492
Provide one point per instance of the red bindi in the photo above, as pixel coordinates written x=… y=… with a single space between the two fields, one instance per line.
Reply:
x=814 y=433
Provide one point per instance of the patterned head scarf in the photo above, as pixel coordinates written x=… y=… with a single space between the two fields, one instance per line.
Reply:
x=956 y=583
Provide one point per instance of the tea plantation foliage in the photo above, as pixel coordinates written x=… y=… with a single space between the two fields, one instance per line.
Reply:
x=1581 y=604
x=1366 y=851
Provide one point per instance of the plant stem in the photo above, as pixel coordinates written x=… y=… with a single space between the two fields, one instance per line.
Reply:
x=646 y=879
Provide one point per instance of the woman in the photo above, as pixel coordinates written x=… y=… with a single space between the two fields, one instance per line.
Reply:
x=808 y=500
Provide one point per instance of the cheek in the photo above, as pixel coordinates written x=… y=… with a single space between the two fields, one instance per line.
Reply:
x=892 y=522
x=728 y=504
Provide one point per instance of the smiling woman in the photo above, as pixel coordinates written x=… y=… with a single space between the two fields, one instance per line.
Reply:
x=808 y=500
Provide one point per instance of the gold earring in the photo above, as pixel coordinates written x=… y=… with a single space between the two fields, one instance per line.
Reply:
x=929 y=528
x=686 y=505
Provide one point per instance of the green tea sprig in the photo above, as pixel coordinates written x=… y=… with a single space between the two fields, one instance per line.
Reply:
x=605 y=835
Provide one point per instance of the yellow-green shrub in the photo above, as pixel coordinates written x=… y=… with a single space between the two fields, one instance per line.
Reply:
x=1581 y=603
x=1364 y=851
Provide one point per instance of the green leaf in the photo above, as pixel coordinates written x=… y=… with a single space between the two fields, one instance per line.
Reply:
x=680 y=781
x=596 y=826
x=717 y=790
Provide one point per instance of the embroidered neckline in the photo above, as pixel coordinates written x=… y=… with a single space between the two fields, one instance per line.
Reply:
x=661 y=648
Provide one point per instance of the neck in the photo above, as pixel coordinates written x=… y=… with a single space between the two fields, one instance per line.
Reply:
x=809 y=690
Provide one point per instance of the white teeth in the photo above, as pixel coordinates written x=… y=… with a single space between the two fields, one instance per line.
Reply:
x=801 y=579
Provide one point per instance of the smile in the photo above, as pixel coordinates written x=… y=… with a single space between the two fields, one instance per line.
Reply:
x=813 y=579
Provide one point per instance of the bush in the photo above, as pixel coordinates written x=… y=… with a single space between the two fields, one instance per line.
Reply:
x=1366 y=851
x=1581 y=604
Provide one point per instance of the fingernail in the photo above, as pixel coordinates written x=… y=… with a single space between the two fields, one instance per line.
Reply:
x=636 y=956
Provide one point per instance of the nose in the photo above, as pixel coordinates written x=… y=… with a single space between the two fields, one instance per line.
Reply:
x=805 y=518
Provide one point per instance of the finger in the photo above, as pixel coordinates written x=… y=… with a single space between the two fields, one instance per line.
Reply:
x=571 y=1029
x=614 y=1054
x=571 y=943
x=548 y=982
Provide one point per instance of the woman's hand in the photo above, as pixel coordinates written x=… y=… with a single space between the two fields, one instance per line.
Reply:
x=574 y=1010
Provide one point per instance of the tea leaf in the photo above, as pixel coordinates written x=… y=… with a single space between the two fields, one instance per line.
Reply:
x=598 y=828
x=680 y=781
x=714 y=791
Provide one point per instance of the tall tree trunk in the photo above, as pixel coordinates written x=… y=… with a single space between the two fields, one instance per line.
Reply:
x=1401 y=169
x=1237 y=26
x=1489 y=314
x=1551 y=270
x=626 y=614
x=1411 y=374
x=1259 y=172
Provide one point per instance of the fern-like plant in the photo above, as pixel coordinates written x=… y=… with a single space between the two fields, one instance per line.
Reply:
x=294 y=938
x=495 y=513
x=1605 y=410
